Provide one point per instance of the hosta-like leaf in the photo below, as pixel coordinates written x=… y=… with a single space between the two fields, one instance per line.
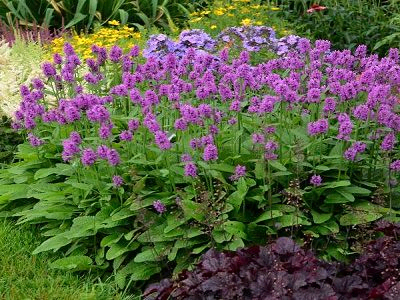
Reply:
x=53 y=243
x=320 y=217
x=268 y=214
x=76 y=263
x=138 y=271
x=359 y=217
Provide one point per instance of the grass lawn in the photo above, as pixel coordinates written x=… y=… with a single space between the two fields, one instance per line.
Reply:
x=24 y=276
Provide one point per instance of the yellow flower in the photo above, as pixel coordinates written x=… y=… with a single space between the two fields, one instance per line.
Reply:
x=246 y=22
x=213 y=26
x=259 y=23
x=206 y=12
x=219 y=11
x=275 y=8
x=195 y=20
x=113 y=22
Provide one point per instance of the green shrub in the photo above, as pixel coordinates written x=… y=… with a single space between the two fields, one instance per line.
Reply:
x=347 y=23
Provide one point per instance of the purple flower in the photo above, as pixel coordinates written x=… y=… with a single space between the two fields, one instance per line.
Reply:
x=48 y=69
x=75 y=137
x=258 y=138
x=102 y=151
x=186 y=157
x=330 y=105
x=240 y=171
x=98 y=113
x=105 y=131
x=318 y=127
x=88 y=157
x=34 y=140
x=113 y=157
x=159 y=207
x=162 y=141
x=181 y=124
x=395 y=165
x=57 y=59
x=361 y=112
x=190 y=169
x=133 y=125
x=117 y=181
x=210 y=152
x=388 y=142
x=115 y=53
x=316 y=180
x=126 y=135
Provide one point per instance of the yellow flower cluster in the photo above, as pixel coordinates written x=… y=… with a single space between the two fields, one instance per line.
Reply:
x=238 y=12
x=104 y=37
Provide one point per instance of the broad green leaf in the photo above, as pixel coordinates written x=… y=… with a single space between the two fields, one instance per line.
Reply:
x=358 y=217
x=138 y=271
x=119 y=249
x=356 y=190
x=76 y=263
x=277 y=165
x=320 y=217
x=111 y=239
x=292 y=220
x=147 y=255
x=335 y=184
x=348 y=196
x=53 y=243
x=335 y=197
x=194 y=210
x=238 y=229
x=268 y=214
x=235 y=244
x=78 y=17
x=221 y=236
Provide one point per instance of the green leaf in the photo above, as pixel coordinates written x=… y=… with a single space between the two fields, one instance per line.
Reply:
x=119 y=249
x=335 y=184
x=146 y=255
x=76 y=263
x=111 y=239
x=335 y=197
x=268 y=214
x=292 y=220
x=346 y=195
x=320 y=217
x=359 y=217
x=236 y=228
x=221 y=236
x=194 y=210
x=78 y=17
x=356 y=190
x=53 y=243
x=138 y=271
x=277 y=165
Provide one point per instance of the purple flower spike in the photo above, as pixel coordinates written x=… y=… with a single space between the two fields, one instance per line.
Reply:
x=210 y=152
x=117 y=181
x=240 y=171
x=316 y=180
x=88 y=157
x=190 y=170
x=159 y=207
x=113 y=157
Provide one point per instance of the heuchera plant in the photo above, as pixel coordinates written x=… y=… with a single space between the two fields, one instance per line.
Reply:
x=282 y=270
x=145 y=164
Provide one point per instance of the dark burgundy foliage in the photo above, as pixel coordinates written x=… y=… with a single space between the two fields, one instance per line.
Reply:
x=33 y=33
x=283 y=270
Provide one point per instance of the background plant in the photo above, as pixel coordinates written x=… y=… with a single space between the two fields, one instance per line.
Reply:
x=84 y=15
x=347 y=23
